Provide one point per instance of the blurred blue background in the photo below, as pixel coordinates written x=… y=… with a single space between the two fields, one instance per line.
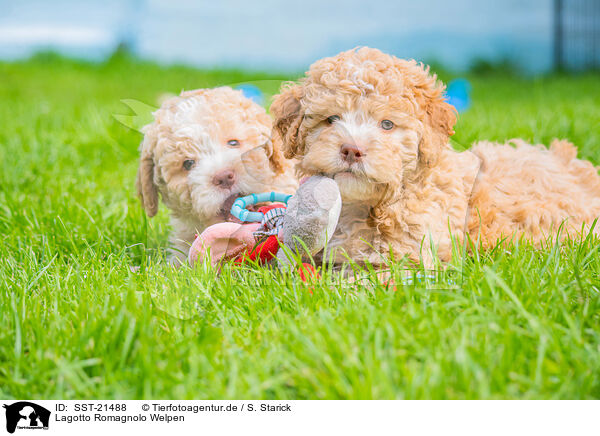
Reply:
x=288 y=36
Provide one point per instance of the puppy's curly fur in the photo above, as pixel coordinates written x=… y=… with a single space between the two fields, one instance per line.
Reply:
x=409 y=191
x=190 y=143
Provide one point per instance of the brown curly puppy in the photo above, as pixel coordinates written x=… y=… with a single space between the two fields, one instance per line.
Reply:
x=380 y=127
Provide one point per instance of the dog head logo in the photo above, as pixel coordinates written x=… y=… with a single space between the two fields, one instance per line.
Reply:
x=26 y=415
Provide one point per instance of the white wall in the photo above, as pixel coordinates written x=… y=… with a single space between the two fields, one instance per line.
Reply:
x=282 y=35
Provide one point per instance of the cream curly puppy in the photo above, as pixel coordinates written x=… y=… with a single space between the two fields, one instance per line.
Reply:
x=204 y=149
x=380 y=127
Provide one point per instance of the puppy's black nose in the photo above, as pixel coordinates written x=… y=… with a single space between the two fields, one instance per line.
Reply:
x=224 y=179
x=351 y=153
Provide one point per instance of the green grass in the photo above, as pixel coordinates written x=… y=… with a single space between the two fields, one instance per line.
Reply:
x=75 y=322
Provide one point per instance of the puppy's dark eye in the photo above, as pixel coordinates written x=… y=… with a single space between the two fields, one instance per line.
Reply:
x=233 y=143
x=332 y=119
x=387 y=125
x=188 y=164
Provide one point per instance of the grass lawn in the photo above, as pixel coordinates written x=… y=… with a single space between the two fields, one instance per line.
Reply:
x=75 y=322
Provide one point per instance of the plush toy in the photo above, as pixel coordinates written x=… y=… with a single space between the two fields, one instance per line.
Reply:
x=311 y=217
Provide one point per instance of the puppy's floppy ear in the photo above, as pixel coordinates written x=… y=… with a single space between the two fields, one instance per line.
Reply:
x=146 y=187
x=442 y=117
x=439 y=117
x=287 y=112
x=440 y=120
x=276 y=159
x=273 y=150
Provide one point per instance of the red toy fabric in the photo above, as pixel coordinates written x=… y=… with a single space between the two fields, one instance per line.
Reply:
x=307 y=271
x=265 y=209
x=263 y=252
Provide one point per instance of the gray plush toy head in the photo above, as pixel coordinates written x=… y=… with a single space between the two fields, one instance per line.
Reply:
x=311 y=217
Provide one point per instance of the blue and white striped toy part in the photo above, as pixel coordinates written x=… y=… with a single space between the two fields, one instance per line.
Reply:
x=252 y=92
x=239 y=210
x=458 y=94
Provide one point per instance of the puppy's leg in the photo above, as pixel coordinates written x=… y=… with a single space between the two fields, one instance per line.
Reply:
x=181 y=240
x=177 y=254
